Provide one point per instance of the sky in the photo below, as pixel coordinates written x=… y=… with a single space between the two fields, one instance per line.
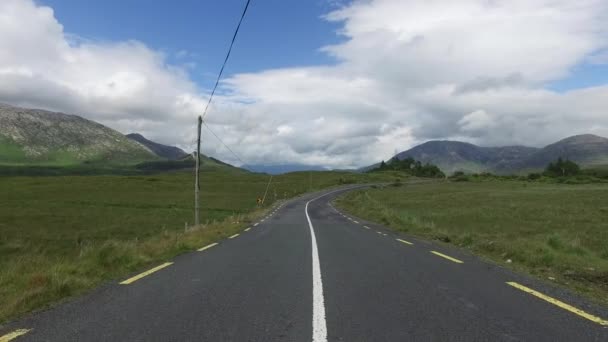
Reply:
x=322 y=82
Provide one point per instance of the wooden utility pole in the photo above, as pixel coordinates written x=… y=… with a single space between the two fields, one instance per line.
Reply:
x=197 y=186
x=266 y=192
x=310 y=182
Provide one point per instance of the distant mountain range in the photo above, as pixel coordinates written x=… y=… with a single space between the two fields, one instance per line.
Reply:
x=450 y=156
x=282 y=168
x=164 y=151
x=39 y=137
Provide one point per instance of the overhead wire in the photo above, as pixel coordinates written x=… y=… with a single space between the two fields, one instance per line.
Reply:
x=223 y=143
x=219 y=76
x=217 y=81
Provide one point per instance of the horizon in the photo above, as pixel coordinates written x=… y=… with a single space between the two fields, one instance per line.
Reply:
x=302 y=85
x=295 y=166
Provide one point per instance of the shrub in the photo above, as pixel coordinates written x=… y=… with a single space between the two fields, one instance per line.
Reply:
x=562 y=168
x=459 y=176
x=412 y=167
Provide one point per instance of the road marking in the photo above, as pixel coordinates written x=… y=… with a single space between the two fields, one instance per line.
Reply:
x=405 y=242
x=356 y=222
x=379 y=232
x=448 y=257
x=255 y=225
x=233 y=236
x=13 y=335
x=148 y=272
x=207 y=247
x=247 y=229
x=319 y=325
x=559 y=303
x=366 y=227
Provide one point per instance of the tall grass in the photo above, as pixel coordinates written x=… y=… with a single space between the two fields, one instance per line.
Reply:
x=553 y=231
x=60 y=236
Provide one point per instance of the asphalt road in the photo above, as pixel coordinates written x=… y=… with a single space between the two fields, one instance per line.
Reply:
x=307 y=273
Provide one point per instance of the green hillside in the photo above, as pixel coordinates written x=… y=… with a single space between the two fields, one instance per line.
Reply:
x=38 y=137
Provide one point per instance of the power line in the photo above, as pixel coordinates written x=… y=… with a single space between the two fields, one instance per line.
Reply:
x=222 y=142
x=219 y=76
x=201 y=121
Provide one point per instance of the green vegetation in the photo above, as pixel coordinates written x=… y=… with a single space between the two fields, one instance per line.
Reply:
x=10 y=153
x=410 y=167
x=14 y=154
x=562 y=168
x=60 y=236
x=554 y=231
x=566 y=172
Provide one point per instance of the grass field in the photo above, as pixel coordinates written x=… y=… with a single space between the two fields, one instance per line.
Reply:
x=554 y=231
x=60 y=236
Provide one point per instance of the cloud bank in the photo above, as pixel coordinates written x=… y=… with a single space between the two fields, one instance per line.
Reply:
x=406 y=72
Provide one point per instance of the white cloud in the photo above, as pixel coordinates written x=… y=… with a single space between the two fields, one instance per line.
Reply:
x=125 y=84
x=476 y=121
x=284 y=130
x=406 y=72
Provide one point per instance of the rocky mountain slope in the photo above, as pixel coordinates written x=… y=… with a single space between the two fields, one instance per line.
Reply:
x=452 y=156
x=32 y=136
x=163 y=151
x=586 y=150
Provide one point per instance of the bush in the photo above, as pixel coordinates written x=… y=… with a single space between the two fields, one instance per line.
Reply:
x=463 y=178
x=459 y=176
x=534 y=176
x=412 y=167
x=346 y=181
x=562 y=168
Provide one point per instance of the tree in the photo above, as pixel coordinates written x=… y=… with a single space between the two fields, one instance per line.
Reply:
x=411 y=167
x=562 y=168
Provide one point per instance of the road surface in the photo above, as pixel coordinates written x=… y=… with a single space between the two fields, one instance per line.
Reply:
x=310 y=273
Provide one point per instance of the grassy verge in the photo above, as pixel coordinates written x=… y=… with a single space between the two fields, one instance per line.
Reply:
x=553 y=231
x=60 y=236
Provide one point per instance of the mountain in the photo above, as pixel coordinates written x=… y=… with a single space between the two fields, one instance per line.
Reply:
x=33 y=136
x=450 y=156
x=163 y=151
x=283 y=168
x=585 y=150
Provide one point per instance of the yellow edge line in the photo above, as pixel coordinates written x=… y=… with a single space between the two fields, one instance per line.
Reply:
x=447 y=257
x=148 y=272
x=207 y=247
x=559 y=303
x=405 y=242
x=233 y=236
x=12 y=335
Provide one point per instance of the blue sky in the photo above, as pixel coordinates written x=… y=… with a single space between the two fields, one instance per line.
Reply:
x=582 y=76
x=275 y=33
